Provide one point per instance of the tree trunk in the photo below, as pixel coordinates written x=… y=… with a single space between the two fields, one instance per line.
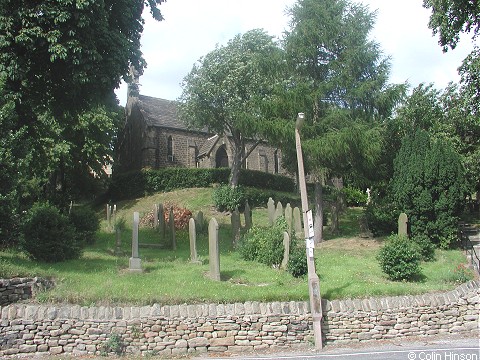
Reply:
x=318 y=221
x=238 y=148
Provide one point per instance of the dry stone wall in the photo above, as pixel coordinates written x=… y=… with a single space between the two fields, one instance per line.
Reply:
x=180 y=329
x=17 y=289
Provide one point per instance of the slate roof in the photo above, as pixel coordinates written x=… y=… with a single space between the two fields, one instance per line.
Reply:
x=160 y=112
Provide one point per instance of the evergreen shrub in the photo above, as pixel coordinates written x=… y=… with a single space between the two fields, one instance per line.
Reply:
x=400 y=258
x=86 y=224
x=49 y=236
x=297 y=261
x=425 y=247
x=264 y=244
x=429 y=185
x=354 y=197
x=226 y=198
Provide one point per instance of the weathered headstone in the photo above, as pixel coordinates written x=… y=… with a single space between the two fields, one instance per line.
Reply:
x=213 y=250
x=286 y=252
x=289 y=218
x=248 y=216
x=271 y=211
x=155 y=216
x=278 y=212
x=114 y=217
x=200 y=221
x=118 y=242
x=135 y=262
x=235 y=220
x=171 y=228
x=109 y=219
x=161 y=221
x=403 y=224
x=297 y=223
x=193 y=240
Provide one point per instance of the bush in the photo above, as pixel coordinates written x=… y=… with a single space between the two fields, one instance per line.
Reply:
x=382 y=217
x=227 y=198
x=354 y=197
x=400 y=258
x=86 y=224
x=264 y=244
x=425 y=247
x=297 y=262
x=48 y=235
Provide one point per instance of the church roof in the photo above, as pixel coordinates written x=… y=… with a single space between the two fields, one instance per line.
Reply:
x=160 y=112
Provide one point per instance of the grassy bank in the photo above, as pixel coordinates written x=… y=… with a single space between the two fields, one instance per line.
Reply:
x=346 y=265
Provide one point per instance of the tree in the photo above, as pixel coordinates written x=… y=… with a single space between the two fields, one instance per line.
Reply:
x=59 y=64
x=228 y=90
x=429 y=186
x=341 y=78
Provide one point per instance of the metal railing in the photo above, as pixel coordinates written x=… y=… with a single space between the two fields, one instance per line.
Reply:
x=468 y=247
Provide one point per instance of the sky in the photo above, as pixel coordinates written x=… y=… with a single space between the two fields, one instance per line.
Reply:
x=193 y=28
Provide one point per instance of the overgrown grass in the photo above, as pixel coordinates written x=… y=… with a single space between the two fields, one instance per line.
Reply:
x=346 y=265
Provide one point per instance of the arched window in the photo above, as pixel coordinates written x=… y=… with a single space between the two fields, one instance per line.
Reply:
x=275 y=161
x=170 y=149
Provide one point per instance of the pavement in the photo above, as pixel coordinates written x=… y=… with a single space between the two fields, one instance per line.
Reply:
x=445 y=347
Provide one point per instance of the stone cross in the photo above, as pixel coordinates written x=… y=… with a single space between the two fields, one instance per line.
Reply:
x=278 y=211
x=297 y=223
x=248 y=216
x=286 y=252
x=213 y=250
x=200 y=221
x=161 y=221
x=403 y=224
x=193 y=241
x=289 y=218
x=271 y=211
x=171 y=226
x=235 y=219
x=135 y=262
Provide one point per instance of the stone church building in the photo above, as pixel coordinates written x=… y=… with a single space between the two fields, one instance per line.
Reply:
x=154 y=137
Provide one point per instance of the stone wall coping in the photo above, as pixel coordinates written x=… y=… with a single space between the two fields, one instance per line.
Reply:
x=469 y=290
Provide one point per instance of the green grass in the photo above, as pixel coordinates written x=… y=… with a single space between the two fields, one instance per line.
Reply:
x=346 y=265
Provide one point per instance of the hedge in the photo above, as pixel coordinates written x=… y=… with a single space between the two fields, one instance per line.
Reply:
x=145 y=182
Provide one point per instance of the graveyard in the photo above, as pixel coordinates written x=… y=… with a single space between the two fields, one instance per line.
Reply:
x=163 y=270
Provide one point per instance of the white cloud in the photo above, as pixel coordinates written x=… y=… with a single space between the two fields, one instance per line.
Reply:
x=192 y=28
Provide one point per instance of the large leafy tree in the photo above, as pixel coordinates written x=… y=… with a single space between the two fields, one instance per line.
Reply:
x=228 y=91
x=60 y=61
x=340 y=80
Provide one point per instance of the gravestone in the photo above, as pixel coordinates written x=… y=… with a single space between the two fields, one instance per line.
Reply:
x=193 y=240
x=403 y=224
x=161 y=221
x=213 y=250
x=289 y=218
x=200 y=221
x=248 y=216
x=114 y=217
x=118 y=242
x=235 y=220
x=297 y=223
x=135 y=262
x=286 y=252
x=278 y=212
x=271 y=211
x=171 y=228
x=155 y=216
x=109 y=217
